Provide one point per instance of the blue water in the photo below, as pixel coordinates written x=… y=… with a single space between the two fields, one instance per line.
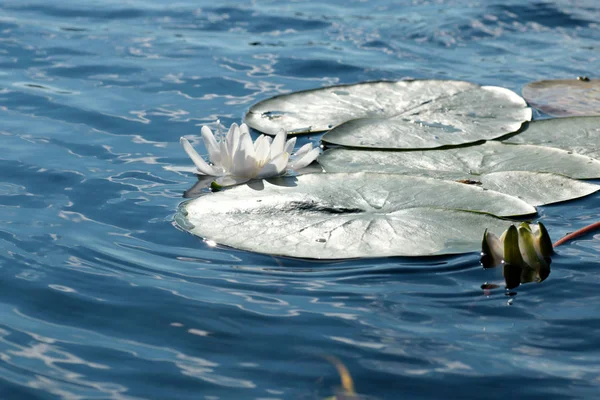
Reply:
x=103 y=297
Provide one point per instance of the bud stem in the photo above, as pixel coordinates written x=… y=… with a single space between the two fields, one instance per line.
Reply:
x=590 y=228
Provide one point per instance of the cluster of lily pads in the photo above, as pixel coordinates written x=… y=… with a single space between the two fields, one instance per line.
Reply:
x=411 y=168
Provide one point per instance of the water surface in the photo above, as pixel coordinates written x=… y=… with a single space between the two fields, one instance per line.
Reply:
x=102 y=296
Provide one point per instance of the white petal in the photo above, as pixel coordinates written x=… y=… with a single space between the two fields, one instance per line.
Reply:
x=232 y=129
x=278 y=143
x=244 y=129
x=211 y=145
x=303 y=150
x=246 y=143
x=289 y=145
x=258 y=141
x=202 y=166
x=244 y=160
x=261 y=147
x=275 y=167
x=230 y=180
x=305 y=160
x=225 y=156
x=233 y=139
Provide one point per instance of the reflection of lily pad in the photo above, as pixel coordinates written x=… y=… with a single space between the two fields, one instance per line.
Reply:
x=563 y=98
x=333 y=216
x=493 y=165
x=403 y=114
x=580 y=135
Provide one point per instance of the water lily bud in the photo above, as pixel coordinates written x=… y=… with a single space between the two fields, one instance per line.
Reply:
x=544 y=243
x=525 y=225
x=528 y=249
x=524 y=252
x=512 y=253
x=513 y=275
x=492 y=252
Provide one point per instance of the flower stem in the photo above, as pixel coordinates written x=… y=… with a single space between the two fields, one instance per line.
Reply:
x=590 y=228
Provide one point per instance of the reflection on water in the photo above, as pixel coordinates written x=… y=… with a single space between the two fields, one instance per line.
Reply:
x=102 y=296
x=515 y=274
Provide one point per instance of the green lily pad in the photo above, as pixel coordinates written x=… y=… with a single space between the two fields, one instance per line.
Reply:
x=563 y=98
x=510 y=169
x=580 y=135
x=464 y=162
x=537 y=188
x=402 y=114
x=334 y=216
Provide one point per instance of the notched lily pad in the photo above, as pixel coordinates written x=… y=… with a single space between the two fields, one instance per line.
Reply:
x=334 y=216
x=537 y=188
x=580 y=135
x=401 y=114
x=464 y=162
x=563 y=98
x=536 y=174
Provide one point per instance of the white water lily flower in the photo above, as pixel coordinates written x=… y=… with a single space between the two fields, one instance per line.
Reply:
x=234 y=158
x=525 y=246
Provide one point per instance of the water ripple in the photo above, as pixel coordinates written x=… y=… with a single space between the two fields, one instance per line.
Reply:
x=102 y=296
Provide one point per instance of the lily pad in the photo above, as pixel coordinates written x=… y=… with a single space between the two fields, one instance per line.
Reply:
x=464 y=162
x=401 y=114
x=493 y=165
x=333 y=216
x=537 y=188
x=580 y=135
x=563 y=98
